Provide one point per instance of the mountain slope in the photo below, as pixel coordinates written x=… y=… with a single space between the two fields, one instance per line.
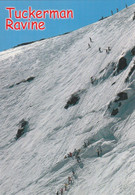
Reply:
x=103 y=116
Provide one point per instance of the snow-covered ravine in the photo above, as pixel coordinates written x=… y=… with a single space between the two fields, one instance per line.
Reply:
x=37 y=84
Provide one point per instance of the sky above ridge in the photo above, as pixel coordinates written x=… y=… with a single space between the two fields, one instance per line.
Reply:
x=85 y=13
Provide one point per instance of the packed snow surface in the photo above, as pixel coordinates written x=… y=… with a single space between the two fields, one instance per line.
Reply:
x=103 y=117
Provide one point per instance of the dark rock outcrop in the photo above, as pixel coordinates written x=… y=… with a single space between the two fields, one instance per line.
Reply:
x=102 y=18
x=74 y=99
x=22 y=44
x=23 y=127
x=133 y=51
x=23 y=81
x=113 y=83
x=114 y=112
x=30 y=79
x=130 y=73
x=121 y=96
x=122 y=64
x=116 y=105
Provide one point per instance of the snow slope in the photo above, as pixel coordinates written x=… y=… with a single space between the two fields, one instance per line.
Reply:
x=34 y=164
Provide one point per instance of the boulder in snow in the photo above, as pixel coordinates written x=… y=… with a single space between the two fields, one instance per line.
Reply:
x=116 y=104
x=130 y=73
x=114 y=112
x=74 y=99
x=122 y=64
x=133 y=51
x=23 y=126
x=23 y=81
x=30 y=79
x=121 y=96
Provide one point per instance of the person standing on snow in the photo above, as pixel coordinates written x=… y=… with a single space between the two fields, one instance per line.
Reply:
x=98 y=152
x=75 y=152
x=66 y=185
x=134 y=16
x=85 y=145
x=70 y=154
x=109 y=49
x=78 y=159
x=61 y=191
x=89 y=46
x=73 y=172
x=90 y=39
x=100 y=49
x=70 y=180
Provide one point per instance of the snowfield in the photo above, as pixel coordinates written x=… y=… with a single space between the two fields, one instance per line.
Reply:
x=99 y=90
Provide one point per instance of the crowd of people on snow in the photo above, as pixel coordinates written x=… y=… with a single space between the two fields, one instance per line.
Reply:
x=126 y=7
x=70 y=181
x=100 y=50
x=118 y=9
x=108 y=49
x=76 y=154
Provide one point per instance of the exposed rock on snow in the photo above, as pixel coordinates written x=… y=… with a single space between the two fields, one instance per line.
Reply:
x=114 y=112
x=74 y=99
x=133 y=51
x=23 y=128
x=116 y=104
x=122 y=64
x=121 y=96
x=130 y=73
x=23 y=81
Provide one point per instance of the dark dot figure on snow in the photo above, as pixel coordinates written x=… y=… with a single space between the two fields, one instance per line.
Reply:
x=102 y=18
x=88 y=143
x=61 y=191
x=73 y=172
x=98 y=152
x=89 y=46
x=57 y=193
x=100 y=49
x=70 y=154
x=75 y=152
x=90 y=39
x=109 y=49
x=92 y=80
x=126 y=6
x=111 y=12
x=78 y=159
x=70 y=181
x=66 y=185
x=117 y=9
x=85 y=145
x=134 y=16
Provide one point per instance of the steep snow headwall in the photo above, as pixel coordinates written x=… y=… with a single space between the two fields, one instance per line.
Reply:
x=38 y=80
